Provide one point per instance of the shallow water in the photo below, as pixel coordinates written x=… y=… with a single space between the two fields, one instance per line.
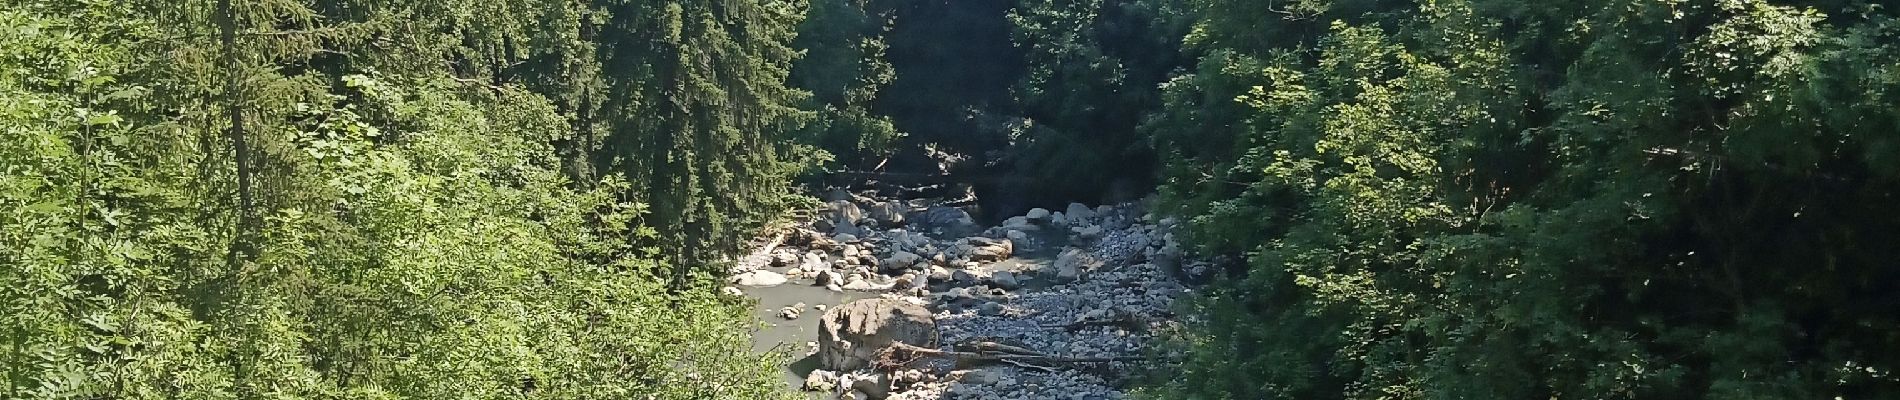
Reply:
x=792 y=335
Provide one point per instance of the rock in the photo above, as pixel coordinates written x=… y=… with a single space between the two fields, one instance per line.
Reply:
x=1073 y=263
x=1078 y=212
x=842 y=212
x=865 y=285
x=985 y=249
x=1037 y=214
x=827 y=278
x=948 y=220
x=784 y=259
x=1087 y=231
x=790 y=312
x=759 y=278
x=1058 y=218
x=851 y=334
x=732 y=291
x=900 y=261
x=1005 y=279
x=886 y=214
x=814 y=262
x=1018 y=223
x=821 y=381
x=873 y=385
x=940 y=274
x=845 y=238
x=989 y=309
x=850 y=251
x=1017 y=236
x=963 y=276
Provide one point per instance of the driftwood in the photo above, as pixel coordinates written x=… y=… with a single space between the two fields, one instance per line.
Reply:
x=976 y=353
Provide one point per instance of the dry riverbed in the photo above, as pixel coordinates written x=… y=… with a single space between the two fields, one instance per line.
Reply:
x=1048 y=305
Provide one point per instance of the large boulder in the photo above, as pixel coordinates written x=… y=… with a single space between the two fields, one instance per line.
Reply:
x=759 y=278
x=849 y=336
x=1037 y=214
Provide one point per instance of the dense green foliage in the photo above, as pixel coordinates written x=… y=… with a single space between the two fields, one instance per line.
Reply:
x=1442 y=199
x=1463 y=199
x=379 y=198
x=1094 y=70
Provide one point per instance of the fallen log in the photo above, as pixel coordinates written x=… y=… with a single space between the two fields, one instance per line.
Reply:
x=898 y=355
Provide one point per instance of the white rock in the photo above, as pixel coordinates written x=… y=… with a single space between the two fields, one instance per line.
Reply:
x=759 y=278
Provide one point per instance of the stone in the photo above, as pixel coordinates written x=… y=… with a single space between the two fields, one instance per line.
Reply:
x=1005 y=279
x=790 y=312
x=759 y=278
x=963 y=276
x=940 y=274
x=821 y=381
x=843 y=212
x=984 y=249
x=872 y=385
x=784 y=259
x=900 y=261
x=814 y=262
x=1078 y=212
x=886 y=214
x=948 y=220
x=850 y=251
x=732 y=291
x=849 y=336
x=845 y=238
x=1037 y=214
x=1017 y=236
x=905 y=282
x=827 y=278
x=1087 y=231
x=1073 y=263
x=865 y=285
x=1018 y=223
x=1058 y=218
x=989 y=309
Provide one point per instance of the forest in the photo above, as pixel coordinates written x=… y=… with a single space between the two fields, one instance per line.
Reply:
x=1298 y=199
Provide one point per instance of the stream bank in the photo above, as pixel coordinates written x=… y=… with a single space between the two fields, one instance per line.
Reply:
x=1081 y=283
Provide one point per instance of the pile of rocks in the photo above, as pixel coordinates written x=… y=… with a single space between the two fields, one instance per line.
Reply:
x=1107 y=292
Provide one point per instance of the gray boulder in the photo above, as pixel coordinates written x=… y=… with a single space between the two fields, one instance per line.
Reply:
x=1077 y=212
x=850 y=335
x=1005 y=279
x=900 y=261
